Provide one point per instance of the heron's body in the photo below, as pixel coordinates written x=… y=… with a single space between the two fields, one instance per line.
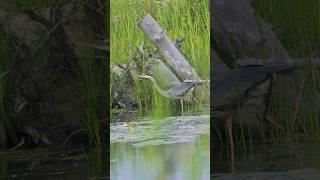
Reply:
x=177 y=91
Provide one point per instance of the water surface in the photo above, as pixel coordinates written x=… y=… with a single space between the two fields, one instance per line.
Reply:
x=54 y=164
x=171 y=148
x=285 y=161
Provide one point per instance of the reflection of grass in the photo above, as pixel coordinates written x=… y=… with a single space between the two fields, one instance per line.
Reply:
x=188 y=19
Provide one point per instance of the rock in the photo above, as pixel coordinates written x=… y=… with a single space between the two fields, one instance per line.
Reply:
x=123 y=90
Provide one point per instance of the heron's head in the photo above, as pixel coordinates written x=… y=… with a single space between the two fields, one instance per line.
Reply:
x=144 y=76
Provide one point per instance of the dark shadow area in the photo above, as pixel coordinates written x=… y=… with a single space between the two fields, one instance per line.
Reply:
x=54 y=89
x=264 y=87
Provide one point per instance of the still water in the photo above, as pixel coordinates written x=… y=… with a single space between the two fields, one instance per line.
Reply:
x=171 y=148
x=53 y=164
x=281 y=161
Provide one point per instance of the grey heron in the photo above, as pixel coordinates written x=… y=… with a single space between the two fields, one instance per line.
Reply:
x=177 y=91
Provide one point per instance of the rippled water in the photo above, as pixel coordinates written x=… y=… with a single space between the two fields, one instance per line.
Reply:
x=173 y=148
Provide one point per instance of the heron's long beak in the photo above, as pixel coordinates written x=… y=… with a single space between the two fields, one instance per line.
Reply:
x=197 y=82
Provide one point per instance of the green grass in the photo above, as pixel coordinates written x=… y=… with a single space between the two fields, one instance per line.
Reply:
x=179 y=18
x=94 y=87
x=301 y=113
x=7 y=131
x=295 y=22
x=91 y=88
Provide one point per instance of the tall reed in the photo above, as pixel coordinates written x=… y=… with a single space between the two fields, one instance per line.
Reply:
x=7 y=130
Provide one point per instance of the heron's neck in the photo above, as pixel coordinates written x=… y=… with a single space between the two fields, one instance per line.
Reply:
x=162 y=92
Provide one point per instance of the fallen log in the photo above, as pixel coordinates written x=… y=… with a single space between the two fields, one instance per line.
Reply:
x=171 y=54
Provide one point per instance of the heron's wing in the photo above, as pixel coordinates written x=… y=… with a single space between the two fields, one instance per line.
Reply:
x=181 y=89
x=196 y=82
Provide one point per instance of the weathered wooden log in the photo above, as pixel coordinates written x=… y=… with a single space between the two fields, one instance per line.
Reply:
x=167 y=49
x=161 y=73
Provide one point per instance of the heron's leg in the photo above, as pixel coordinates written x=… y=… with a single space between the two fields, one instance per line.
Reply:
x=181 y=104
x=21 y=143
x=229 y=128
